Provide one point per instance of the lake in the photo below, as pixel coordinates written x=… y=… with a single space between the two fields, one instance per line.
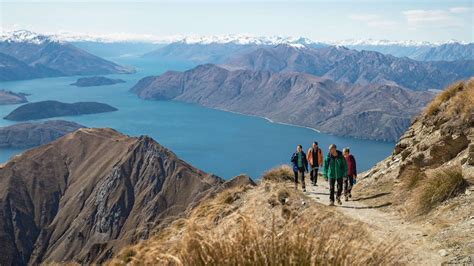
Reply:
x=219 y=142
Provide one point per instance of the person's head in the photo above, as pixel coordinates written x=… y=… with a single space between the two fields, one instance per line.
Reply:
x=315 y=145
x=346 y=151
x=333 y=149
x=299 y=148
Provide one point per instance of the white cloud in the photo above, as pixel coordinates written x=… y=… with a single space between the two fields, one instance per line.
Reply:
x=437 y=17
x=374 y=21
x=459 y=9
x=365 y=17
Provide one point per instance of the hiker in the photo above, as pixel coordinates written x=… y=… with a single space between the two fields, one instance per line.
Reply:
x=315 y=159
x=335 y=169
x=350 y=179
x=300 y=165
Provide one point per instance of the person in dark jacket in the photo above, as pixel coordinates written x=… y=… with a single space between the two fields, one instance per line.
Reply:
x=315 y=160
x=300 y=165
x=349 y=180
x=335 y=169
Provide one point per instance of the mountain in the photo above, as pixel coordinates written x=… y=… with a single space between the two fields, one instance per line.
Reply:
x=218 y=49
x=449 y=51
x=356 y=67
x=27 y=135
x=47 y=109
x=9 y=97
x=90 y=193
x=115 y=48
x=54 y=58
x=96 y=81
x=13 y=69
x=430 y=175
x=295 y=98
x=199 y=53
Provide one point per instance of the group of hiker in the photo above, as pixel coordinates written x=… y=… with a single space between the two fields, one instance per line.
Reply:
x=338 y=168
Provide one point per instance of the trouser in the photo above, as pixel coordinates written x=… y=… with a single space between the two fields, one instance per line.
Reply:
x=301 y=172
x=314 y=175
x=348 y=183
x=332 y=184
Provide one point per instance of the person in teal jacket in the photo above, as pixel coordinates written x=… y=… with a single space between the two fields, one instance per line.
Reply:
x=335 y=169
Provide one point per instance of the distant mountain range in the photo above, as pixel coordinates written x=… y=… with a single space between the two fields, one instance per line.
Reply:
x=450 y=51
x=111 y=45
x=26 y=55
x=355 y=67
x=381 y=112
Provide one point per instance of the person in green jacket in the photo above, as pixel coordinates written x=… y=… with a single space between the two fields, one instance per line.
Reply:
x=335 y=169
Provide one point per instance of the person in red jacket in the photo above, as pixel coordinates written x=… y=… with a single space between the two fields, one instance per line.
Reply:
x=349 y=180
x=315 y=160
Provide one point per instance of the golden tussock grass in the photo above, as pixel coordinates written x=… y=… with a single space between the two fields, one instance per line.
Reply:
x=270 y=224
x=459 y=98
x=443 y=184
x=279 y=173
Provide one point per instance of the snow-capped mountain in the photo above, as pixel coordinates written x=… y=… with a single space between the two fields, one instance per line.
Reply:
x=27 y=55
x=408 y=43
x=419 y=50
x=25 y=36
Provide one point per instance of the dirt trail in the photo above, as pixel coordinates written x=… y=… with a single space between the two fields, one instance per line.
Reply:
x=383 y=225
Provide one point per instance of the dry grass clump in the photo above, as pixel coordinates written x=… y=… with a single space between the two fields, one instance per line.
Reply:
x=461 y=100
x=255 y=232
x=279 y=173
x=411 y=177
x=443 y=185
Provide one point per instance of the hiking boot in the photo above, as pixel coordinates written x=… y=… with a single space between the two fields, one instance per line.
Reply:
x=331 y=203
x=304 y=189
x=347 y=198
x=339 y=201
x=350 y=195
x=315 y=184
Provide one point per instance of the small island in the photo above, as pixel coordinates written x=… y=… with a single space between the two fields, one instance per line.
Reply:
x=27 y=135
x=47 y=109
x=9 y=97
x=96 y=81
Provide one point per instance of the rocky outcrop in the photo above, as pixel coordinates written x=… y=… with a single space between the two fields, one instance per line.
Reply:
x=441 y=135
x=27 y=135
x=9 y=97
x=47 y=109
x=429 y=178
x=89 y=194
x=356 y=67
x=381 y=112
x=96 y=81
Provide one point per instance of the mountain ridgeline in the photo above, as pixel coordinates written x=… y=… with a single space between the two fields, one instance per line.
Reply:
x=356 y=67
x=90 y=193
x=296 y=98
x=40 y=56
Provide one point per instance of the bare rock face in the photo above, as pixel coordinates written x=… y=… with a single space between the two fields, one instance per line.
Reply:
x=89 y=194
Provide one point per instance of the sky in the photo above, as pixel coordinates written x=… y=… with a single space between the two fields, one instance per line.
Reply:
x=433 y=21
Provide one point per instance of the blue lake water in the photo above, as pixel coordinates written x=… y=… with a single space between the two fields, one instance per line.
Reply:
x=218 y=142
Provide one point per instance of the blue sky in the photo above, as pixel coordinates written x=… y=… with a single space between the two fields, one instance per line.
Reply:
x=317 y=20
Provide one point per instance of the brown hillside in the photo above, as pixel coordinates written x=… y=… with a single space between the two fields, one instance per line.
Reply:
x=429 y=178
x=88 y=194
